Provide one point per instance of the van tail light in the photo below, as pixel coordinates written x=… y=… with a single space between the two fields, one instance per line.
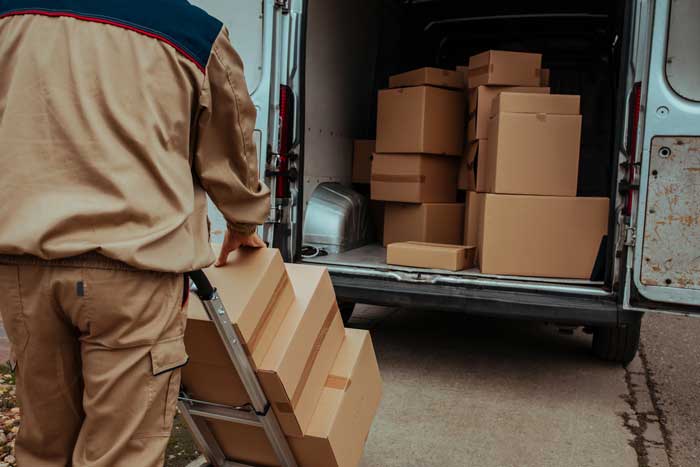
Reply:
x=286 y=139
x=632 y=136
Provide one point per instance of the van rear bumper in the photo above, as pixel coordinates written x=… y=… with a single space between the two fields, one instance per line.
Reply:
x=541 y=305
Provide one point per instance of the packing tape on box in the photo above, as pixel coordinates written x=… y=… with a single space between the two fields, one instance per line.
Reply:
x=398 y=178
x=332 y=313
x=265 y=317
x=337 y=382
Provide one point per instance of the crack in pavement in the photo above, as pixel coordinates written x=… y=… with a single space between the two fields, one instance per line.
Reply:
x=646 y=420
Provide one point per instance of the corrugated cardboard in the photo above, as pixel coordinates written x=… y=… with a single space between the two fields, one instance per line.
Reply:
x=481 y=151
x=431 y=255
x=480 y=103
x=362 y=160
x=472 y=218
x=420 y=120
x=428 y=77
x=257 y=293
x=430 y=222
x=467 y=174
x=545 y=77
x=295 y=368
x=532 y=153
x=497 y=67
x=531 y=103
x=414 y=178
x=340 y=425
x=541 y=236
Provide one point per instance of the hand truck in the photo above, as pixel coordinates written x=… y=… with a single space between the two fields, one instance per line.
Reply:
x=257 y=413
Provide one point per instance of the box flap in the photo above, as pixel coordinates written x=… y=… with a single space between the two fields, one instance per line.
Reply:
x=430 y=77
x=553 y=104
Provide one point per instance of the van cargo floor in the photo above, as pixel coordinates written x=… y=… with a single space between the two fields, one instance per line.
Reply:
x=374 y=257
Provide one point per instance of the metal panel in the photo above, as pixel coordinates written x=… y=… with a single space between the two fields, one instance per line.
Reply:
x=664 y=113
x=672 y=232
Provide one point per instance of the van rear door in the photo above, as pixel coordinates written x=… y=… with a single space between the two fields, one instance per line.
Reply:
x=665 y=274
x=251 y=31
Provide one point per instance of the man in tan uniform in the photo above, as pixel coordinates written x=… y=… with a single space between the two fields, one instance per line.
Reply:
x=116 y=117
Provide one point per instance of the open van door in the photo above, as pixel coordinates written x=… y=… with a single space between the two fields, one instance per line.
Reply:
x=664 y=267
x=251 y=25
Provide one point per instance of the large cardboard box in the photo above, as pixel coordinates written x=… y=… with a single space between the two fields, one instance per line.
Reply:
x=257 y=294
x=431 y=255
x=429 y=222
x=295 y=368
x=480 y=154
x=428 y=77
x=421 y=120
x=340 y=424
x=466 y=179
x=545 y=77
x=414 y=178
x=472 y=218
x=362 y=160
x=497 y=67
x=534 y=145
x=541 y=236
x=480 y=103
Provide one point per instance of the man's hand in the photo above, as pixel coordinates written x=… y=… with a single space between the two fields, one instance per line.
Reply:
x=233 y=241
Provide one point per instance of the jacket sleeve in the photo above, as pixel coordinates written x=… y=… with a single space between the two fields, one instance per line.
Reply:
x=225 y=157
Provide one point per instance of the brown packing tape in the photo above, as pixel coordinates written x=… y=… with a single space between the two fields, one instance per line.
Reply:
x=314 y=353
x=265 y=317
x=398 y=178
x=480 y=70
x=337 y=382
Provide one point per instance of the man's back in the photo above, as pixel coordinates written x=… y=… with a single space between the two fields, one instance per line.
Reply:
x=113 y=116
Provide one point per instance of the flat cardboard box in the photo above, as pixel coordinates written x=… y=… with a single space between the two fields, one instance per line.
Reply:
x=532 y=153
x=414 y=178
x=472 y=218
x=257 y=294
x=295 y=368
x=429 y=222
x=497 y=67
x=545 y=77
x=428 y=77
x=431 y=256
x=480 y=103
x=340 y=424
x=362 y=160
x=541 y=236
x=421 y=120
x=536 y=103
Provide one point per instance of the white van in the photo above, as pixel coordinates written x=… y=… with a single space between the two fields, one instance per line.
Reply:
x=314 y=68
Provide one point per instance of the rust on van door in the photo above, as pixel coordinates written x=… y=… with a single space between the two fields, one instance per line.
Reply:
x=672 y=231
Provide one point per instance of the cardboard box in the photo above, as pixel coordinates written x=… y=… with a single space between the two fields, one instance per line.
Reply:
x=545 y=77
x=340 y=425
x=533 y=153
x=431 y=256
x=497 y=67
x=421 y=120
x=428 y=77
x=362 y=160
x=480 y=149
x=480 y=103
x=257 y=294
x=467 y=175
x=414 y=178
x=429 y=222
x=295 y=368
x=541 y=236
x=472 y=218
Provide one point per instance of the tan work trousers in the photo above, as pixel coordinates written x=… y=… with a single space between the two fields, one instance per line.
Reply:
x=98 y=348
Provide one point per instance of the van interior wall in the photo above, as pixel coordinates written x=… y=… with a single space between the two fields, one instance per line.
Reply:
x=353 y=48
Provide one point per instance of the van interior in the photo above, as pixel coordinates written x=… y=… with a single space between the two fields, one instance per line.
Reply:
x=353 y=47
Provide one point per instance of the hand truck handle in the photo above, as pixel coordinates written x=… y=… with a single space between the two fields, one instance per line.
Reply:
x=205 y=291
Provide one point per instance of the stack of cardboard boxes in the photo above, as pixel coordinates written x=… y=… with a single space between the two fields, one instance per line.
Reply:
x=524 y=215
x=321 y=379
x=420 y=137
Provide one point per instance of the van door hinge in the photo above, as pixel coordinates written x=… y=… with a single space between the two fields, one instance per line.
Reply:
x=630 y=236
x=283 y=4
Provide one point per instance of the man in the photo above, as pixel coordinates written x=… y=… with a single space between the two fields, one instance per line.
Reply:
x=116 y=116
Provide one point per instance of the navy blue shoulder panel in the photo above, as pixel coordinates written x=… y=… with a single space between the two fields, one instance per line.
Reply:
x=184 y=26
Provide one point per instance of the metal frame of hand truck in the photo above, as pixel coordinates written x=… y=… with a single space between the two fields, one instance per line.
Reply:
x=257 y=413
